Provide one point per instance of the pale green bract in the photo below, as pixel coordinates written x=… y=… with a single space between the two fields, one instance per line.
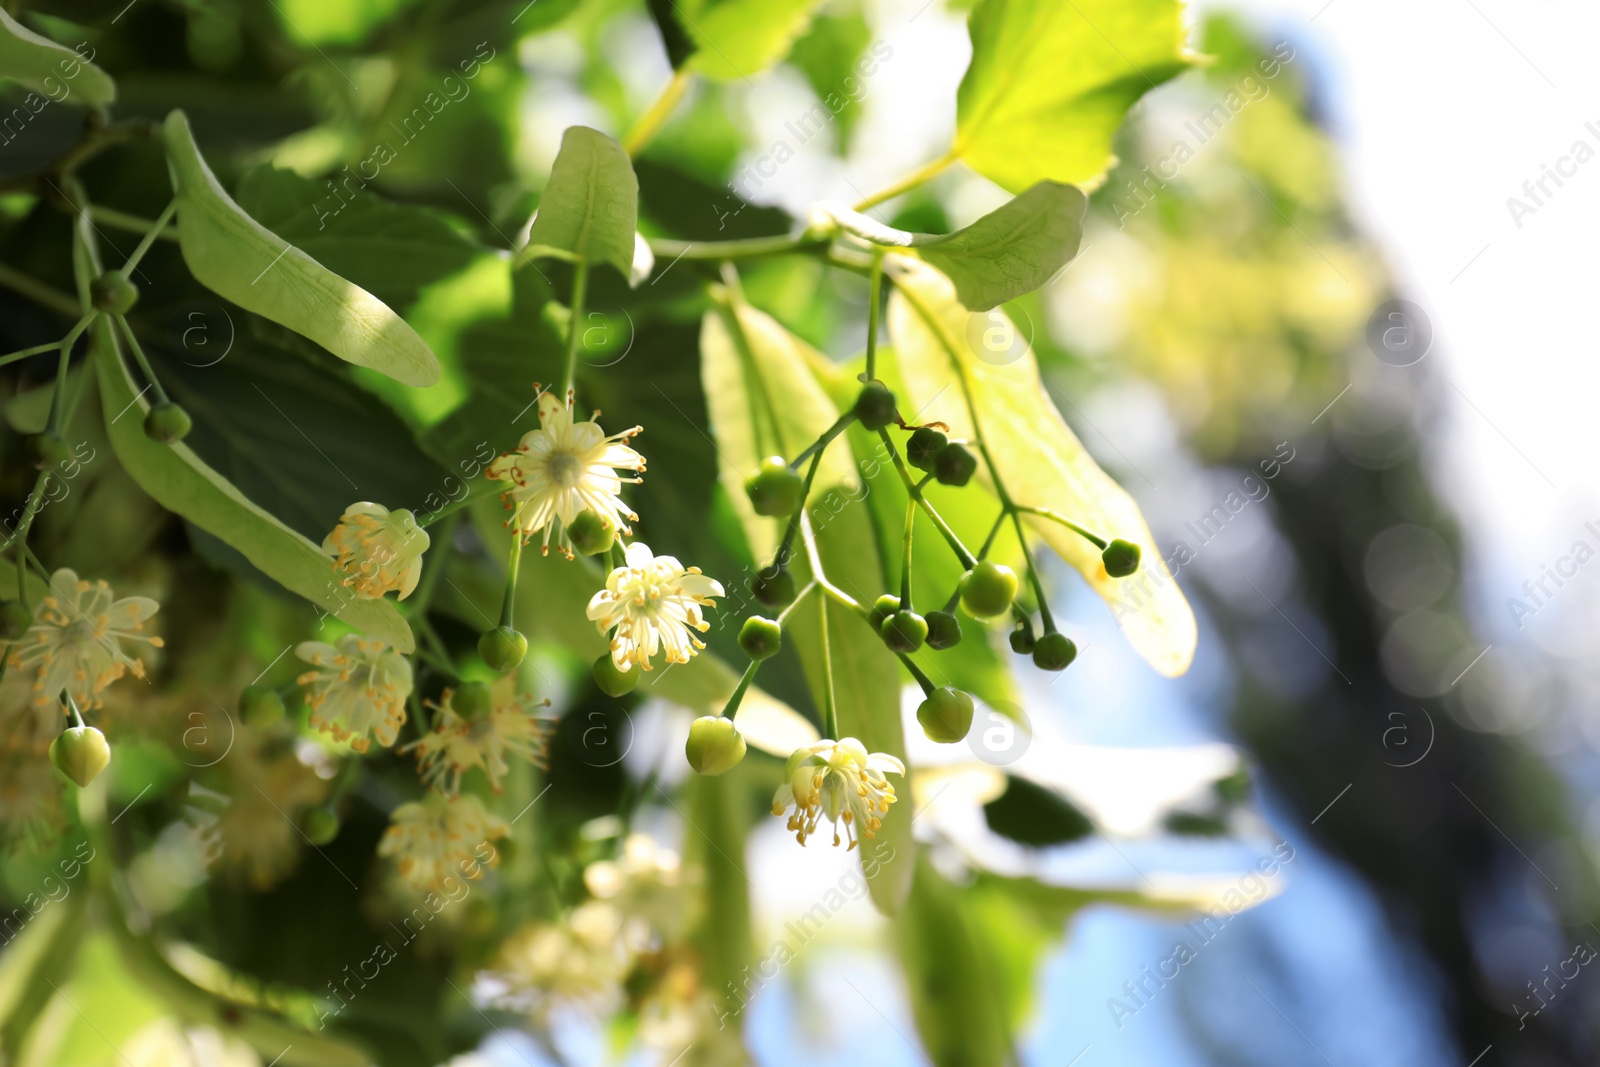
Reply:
x=240 y=260
x=735 y=39
x=1007 y=253
x=49 y=68
x=181 y=482
x=1051 y=80
x=590 y=208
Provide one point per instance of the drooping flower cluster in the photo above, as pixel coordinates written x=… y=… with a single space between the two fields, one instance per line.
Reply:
x=838 y=781
x=377 y=550
x=455 y=745
x=75 y=642
x=437 y=838
x=645 y=882
x=356 y=690
x=653 y=603
x=575 y=963
x=564 y=468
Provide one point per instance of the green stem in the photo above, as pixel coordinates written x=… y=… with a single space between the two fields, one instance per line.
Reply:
x=434 y=569
x=988 y=542
x=909 y=182
x=916 y=672
x=731 y=708
x=783 y=616
x=966 y=557
x=874 y=298
x=121 y=220
x=38 y=292
x=580 y=285
x=781 y=558
x=513 y=564
x=830 y=710
x=744 y=248
x=1045 y=513
x=649 y=123
x=150 y=237
x=139 y=358
x=1033 y=575
x=12 y=357
x=826 y=439
x=905 y=556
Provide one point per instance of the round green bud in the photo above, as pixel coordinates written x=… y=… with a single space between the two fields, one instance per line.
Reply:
x=944 y=630
x=80 y=753
x=591 y=533
x=922 y=451
x=14 y=620
x=113 y=292
x=988 y=589
x=775 y=490
x=1121 y=558
x=904 y=631
x=882 y=608
x=46 y=449
x=1054 y=652
x=167 y=423
x=261 y=706
x=760 y=637
x=612 y=682
x=472 y=701
x=875 y=405
x=502 y=648
x=715 y=745
x=946 y=715
x=320 y=825
x=773 y=589
x=1022 y=640
x=954 y=465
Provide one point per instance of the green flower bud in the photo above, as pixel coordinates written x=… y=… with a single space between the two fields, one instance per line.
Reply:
x=922 y=451
x=1054 y=652
x=954 y=465
x=946 y=715
x=80 y=753
x=882 y=608
x=773 y=588
x=904 y=631
x=502 y=648
x=591 y=533
x=320 y=825
x=944 y=630
x=875 y=405
x=760 y=637
x=775 y=490
x=472 y=701
x=988 y=589
x=167 y=423
x=1121 y=558
x=1022 y=640
x=261 y=706
x=612 y=682
x=113 y=292
x=14 y=620
x=45 y=450
x=715 y=745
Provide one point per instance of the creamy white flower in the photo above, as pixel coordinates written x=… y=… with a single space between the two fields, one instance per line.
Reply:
x=357 y=689
x=75 y=641
x=456 y=745
x=653 y=603
x=839 y=781
x=377 y=549
x=564 y=468
x=437 y=838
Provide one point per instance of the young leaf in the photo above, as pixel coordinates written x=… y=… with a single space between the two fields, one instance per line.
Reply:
x=1009 y=252
x=239 y=259
x=45 y=67
x=590 y=208
x=736 y=39
x=1049 y=83
x=180 y=482
x=937 y=342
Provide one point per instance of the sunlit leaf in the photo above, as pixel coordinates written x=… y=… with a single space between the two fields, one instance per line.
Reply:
x=182 y=483
x=737 y=39
x=1050 y=83
x=939 y=344
x=239 y=259
x=49 y=68
x=590 y=208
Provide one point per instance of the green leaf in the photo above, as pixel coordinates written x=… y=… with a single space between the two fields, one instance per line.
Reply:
x=1045 y=465
x=55 y=70
x=1006 y=254
x=735 y=39
x=182 y=483
x=764 y=399
x=828 y=55
x=590 y=208
x=1050 y=82
x=239 y=259
x=391 y=250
